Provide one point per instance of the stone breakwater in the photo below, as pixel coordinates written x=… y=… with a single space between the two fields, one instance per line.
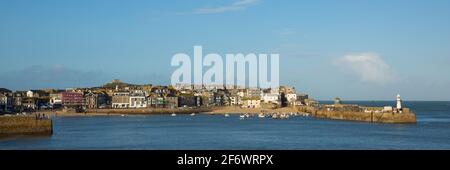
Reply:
x=375 y=117
x=25 y=125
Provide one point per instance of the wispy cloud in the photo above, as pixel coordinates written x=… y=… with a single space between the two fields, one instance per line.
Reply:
x=369 y=67
x=236 y=6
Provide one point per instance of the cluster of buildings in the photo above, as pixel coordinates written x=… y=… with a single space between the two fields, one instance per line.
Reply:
x=120 y=95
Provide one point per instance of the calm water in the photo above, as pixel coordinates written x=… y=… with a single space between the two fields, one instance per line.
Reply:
x=432 y=131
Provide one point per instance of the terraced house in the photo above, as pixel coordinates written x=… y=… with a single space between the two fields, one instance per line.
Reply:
x=72 y=99
x=95 y=100
x=6 y=100
x=121 y=100
x=138 y=100
x=3 y=103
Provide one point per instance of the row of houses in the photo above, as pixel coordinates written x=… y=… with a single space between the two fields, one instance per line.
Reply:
x=118 y=95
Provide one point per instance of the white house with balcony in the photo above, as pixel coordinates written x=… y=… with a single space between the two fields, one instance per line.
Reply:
x=138 y=101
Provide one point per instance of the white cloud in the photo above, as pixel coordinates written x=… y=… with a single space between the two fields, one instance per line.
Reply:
x=237 y=5
x=369 y=67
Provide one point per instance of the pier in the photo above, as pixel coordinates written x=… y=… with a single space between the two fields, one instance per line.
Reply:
x=369 y=116
x=25 y=125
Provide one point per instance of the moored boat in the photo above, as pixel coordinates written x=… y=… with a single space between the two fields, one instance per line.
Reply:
x=241 y=116
x=274 y=116
x=261 y=115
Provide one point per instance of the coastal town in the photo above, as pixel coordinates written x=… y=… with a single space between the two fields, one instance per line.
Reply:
x=31 y=111
x=120 y=95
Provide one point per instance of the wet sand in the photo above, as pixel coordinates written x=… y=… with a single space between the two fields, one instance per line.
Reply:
x=119 y=112
x=239 y=110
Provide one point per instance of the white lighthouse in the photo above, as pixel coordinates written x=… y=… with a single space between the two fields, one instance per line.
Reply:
x=399 y=102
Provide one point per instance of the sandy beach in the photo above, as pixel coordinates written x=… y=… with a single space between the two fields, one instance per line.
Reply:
x=239 y=110
x=119 y=112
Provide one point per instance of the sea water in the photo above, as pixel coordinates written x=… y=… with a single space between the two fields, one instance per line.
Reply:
x=432 y=131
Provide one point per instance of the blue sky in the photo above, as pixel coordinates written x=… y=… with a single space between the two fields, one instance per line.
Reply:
x=354 y=49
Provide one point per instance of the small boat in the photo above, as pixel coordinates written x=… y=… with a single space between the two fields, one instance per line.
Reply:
x=227 y=115
x=274 y=116
x=173 y=114
x=241 y=116
x=284 y=116
x=192 y=114
x=122 y=115
x=247 y=115
x=261 y=115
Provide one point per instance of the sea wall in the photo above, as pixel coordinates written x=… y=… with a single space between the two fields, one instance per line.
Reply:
x=375 y=117
x=10 y=125
x=150 y=111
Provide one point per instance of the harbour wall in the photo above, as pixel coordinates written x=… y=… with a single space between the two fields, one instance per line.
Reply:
x=26 y=125
x=375 y=117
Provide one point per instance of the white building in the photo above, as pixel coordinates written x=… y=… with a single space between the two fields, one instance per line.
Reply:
x=291 y=98
x=235 y=100
x=56 y=99
x=269 y=98
x=30 y=93
x=251 y=103
x=388 y=109
x=240 y=94
x=138 y=102
x=253 y=93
